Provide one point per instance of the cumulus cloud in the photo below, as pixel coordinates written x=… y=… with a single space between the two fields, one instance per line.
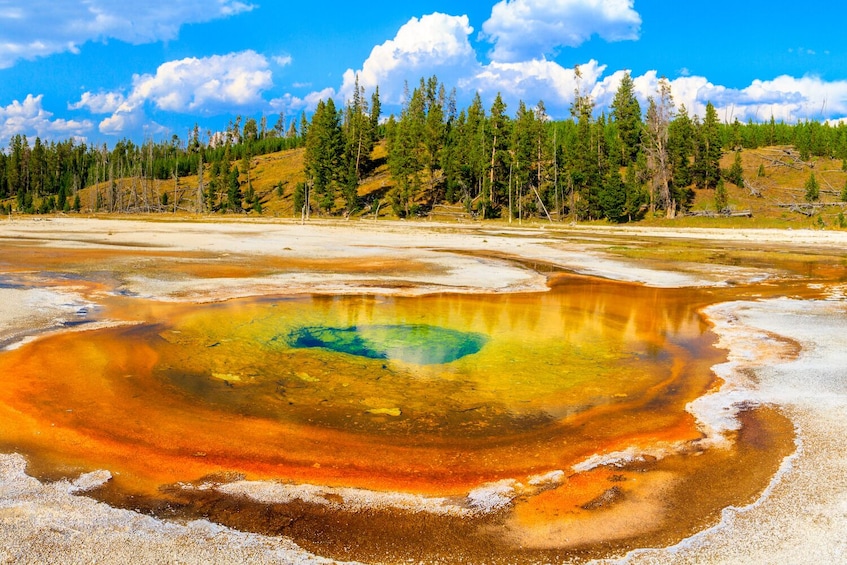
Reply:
x=290 y=104
x=283 y=60
x=434 y=44
x=39 y=28
x=532 y=29
x=535 y=80
x=785 y=98
x=101 y=103
x=524 y=31
x=30 y=118
x=206 y=86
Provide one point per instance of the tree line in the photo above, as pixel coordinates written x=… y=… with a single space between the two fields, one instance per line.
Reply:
x=46 y=177
x=619 y=163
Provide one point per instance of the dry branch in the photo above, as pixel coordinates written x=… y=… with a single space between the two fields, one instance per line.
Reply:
x=723 y=214
x=754 y=190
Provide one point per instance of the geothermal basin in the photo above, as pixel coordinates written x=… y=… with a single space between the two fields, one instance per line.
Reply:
x=385 y=392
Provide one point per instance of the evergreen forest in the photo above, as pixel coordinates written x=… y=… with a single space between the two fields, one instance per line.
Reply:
x=619 y=164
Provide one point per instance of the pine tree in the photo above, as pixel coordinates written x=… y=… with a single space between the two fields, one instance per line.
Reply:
x=376 y=112
x=233 y=193
x=452 y=158
x=681 y=148
x=626 y=113
x=721 y=197
x=707 y=167
x=735 y=175
x=582 y=161
x=435 y=131
x=523 y=154
x=813 y=191
x=323 y=159
x=542 y=151
x=251 y=131
x=636 y=196
x=358 y=137
x=279 y=126
x=498 y=168
x=300 y=199
x=613 y=197
x=473 y=150
x=406 y=155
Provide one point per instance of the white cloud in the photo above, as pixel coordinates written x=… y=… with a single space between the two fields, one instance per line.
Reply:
x=207 y=86
x=30 y=118
x=283 y=60
x=290 y=104
x=786 y=98
x=532 y=29
x=535 y=80
x=102 y=103
x=434 y=44
x=39 y=28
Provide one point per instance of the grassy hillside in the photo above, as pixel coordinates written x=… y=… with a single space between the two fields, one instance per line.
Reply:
x=774 y=199
x=778 y=197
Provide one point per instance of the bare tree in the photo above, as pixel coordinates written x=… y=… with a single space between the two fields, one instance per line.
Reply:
x=659 y=115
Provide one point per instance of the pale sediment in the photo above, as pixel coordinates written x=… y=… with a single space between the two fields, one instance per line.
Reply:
x=802 y=516
x=46 y=523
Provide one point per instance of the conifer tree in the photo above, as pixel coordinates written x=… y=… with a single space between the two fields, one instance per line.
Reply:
x=626 y=113
x=376 y=112
x=233 y=193
x=406 y=154
x=813 y=191
x=498 y=168
x=542 y=149
x=435 y=131
x=279 y=127
x=473 y=144
x=613 y=197
x=707 y=167
x=358 y=137
x=721 y=197
x=323 y=159
x=451 y=159
x=523 y=155
x=636 y=196
x=680 y=149
x=735 y=175
x=585 y=176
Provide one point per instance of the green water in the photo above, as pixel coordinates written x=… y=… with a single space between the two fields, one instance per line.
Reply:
x=419 y=344
x=440 y=366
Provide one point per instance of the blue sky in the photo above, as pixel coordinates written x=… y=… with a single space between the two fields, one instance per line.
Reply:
x=103 y=70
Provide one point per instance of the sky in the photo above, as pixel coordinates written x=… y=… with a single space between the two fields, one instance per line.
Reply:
x=104 y=70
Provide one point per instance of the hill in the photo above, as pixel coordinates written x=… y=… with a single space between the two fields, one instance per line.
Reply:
x=772 y=194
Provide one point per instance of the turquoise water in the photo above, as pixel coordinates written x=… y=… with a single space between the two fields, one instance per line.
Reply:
x=419 y=344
